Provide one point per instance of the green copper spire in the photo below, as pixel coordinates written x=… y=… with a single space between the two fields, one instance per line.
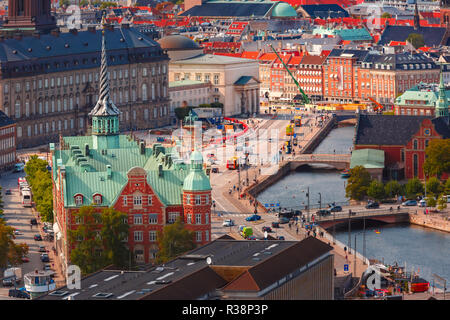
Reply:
x=105 y=115
x=442 y=104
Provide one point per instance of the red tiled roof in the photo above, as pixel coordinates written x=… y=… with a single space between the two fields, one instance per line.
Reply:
x=250 y=54
x=228 y=54
x=268 y=56
x=397 y=43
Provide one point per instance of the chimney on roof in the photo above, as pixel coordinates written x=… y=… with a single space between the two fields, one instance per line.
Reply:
x=86 y=150
x=160 y=170
x=108 y=171
x=142 y=147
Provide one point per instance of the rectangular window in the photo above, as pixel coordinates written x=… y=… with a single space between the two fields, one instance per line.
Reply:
x=137 y=219
x=173 y=216
x=138 y=236
x=137 y=200
x=153 y=218
x=189 y=218
x=206 y=235
x=152 y=235
x=198 y=200
x=198 y=236
x=198 y=219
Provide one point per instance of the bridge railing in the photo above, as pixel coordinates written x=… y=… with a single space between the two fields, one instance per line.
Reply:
x=322 y=157
x=362 y=214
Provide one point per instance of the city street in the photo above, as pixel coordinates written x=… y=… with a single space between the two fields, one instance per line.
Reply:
x=19 y=217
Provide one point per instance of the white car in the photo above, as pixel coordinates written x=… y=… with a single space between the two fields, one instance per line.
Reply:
x=422 y=203
x=228 y=223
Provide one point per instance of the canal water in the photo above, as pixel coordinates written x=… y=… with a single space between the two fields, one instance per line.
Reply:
x=425 y=250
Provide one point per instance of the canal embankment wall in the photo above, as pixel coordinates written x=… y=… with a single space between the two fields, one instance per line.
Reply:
x=437 y=222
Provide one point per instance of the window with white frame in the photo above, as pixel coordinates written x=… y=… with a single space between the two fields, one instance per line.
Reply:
x=78 y=219
x=198 y=219
x=198 y=236
x=188 y=199
x=125 y=203
x=150 y=200
x=152 y=235
x=173 y=216
x=138 y=236
x=198 y=200
x=137 y=219
x=189 y=218
x=97 y=199
x=137 y=200
x=206 y=235
x=153 y=218
x=78 y=200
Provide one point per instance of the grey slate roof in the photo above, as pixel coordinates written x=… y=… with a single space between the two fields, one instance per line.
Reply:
x=5 y=120
x=232 y=9
x=386 y=130
x=324 y=11
x=432 y=36
x=397 y=61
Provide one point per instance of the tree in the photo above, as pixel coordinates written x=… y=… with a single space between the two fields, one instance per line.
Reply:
x=442 y=202
x=182 y=112
x=10 y=252
x=437 y=157
x=414 y=188
x=87 y=243
x=64 y=3
x=174 y=240
x=83 y=3
x=447 y=186
x=431 y=201
x=358 y=183
x=434 y=185
x=386 y=15
x=393 y=189
x=114 y=231
x=376 y=190
x=416 y=40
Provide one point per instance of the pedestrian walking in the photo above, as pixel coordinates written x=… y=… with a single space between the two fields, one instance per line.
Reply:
x=296 y=230
x=345 y=249
x=234 y=187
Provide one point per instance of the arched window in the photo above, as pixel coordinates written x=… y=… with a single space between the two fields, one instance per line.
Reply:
x=78 y=200
x=97 y=199
x=144 y=92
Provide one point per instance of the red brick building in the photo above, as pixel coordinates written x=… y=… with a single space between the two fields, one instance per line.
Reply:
x=153 y=186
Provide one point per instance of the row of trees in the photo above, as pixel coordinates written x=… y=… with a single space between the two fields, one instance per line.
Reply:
x=10 y=252
x=360 y=185
x=40 y=180
x=101 y=240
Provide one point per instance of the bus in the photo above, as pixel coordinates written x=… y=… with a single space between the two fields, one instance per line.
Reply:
x=290 y=130
x=26 y=198
x=232 y=163
x=298 y=121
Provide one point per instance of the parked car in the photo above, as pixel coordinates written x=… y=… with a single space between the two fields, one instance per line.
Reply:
x=283 y=220
x=410 y=203
x=254 y=217
x=25 y=259
x=323 y=212
x=422 y=203
x=8 y=282
x=8 y=192
x=17 y=232
x=268 y=229
x=37 y=237
x=45 y=258
x=18 y=294
x=228 y=223
x=336 y=209
x=42 y=249
x=275 y=225
x=297 y=213
x=252 y=237
x=280 y=238
x=33 y=222
x=372 y=205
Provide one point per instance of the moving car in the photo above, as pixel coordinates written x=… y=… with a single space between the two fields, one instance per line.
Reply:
x=275 y=225
x=410 y=203
x=25 y=259
x=8 y=192
x=228 y=223
x=45 y=258
x=252 y=237
x=336 y=209
x=268 y=229
x=37 y=237
x=8 y=282
x=422 y=203
x=323 y=212
x=42 y=249
x=33 y=222
x=283 y=220
x=372 y=205
x=254 y=217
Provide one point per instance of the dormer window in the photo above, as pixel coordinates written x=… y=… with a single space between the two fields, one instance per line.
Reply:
x=78 y=200
x=97 y=199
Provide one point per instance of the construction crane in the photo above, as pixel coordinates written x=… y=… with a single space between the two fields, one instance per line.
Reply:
x=378 y=107
x=305 y=97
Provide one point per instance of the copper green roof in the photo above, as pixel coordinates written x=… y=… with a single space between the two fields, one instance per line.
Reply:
x=283 y=10
x=368 y=158
x=87 y=175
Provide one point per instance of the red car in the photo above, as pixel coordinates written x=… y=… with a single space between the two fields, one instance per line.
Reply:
x=25 y=259
x=268 y=229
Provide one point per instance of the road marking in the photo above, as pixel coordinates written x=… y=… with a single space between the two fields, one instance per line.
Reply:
x=112 y=277
x=126 y=294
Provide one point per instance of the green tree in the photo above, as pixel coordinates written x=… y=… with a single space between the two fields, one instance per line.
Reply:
x=182 y=112
x=393 y=189
x=416 y=40
x=447 y=186
x=434 y=185
x=358 y=183
x=376 y=190
x=87 y=253
x=431 y=201
x=442 y=202
x=10 y=252
x=64 y=3
x=386 y=15
x=108 y=4
x=174 y=240
x=83 y=3
x=438 y=157
x=114 y=231
x=414 y=188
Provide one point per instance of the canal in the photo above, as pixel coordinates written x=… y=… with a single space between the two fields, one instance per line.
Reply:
x=425 y=250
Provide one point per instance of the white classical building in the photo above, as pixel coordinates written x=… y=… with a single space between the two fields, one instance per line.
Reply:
x=234 y=81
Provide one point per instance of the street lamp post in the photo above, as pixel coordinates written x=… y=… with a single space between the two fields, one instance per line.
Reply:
x=320 y=201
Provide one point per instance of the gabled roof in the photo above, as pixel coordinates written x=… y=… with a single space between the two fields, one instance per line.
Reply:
x=432 y=36
x=5 y=120
x=386 y=130
x=230 y=9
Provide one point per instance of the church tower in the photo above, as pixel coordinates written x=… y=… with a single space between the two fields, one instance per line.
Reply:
x=416 y=17
x=442 y=104
x=29 y=16
x=105 y=115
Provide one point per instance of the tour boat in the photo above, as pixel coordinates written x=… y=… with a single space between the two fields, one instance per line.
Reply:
x=345 y=174
x=419 y=285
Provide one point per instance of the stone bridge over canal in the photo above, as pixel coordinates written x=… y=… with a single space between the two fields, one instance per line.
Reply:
x=338 y=161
